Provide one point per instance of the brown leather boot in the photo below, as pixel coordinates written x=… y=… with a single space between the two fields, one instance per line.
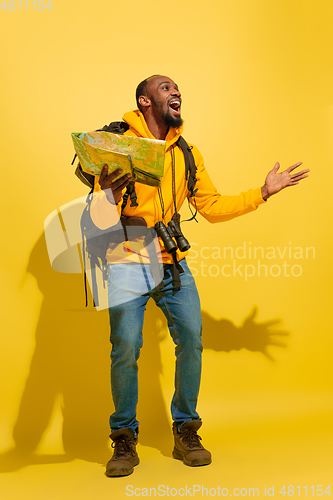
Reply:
x=187 y=445
x=124 y=456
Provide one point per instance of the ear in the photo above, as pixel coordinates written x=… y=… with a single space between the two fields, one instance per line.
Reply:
x=144 y=101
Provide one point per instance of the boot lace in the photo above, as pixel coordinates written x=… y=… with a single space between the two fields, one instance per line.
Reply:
x=122 y=448
x=191 y=438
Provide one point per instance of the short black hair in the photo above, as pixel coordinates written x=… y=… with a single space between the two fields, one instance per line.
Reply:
x=142 y=89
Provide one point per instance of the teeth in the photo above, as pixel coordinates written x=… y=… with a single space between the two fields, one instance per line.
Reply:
x=175 y=104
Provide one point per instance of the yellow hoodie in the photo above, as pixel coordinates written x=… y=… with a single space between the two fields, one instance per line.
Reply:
x=210 y=204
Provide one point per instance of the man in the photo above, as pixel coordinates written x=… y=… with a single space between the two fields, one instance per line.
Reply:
x=159 y=117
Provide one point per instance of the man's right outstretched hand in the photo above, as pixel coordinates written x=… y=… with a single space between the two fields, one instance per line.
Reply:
x=106 y=182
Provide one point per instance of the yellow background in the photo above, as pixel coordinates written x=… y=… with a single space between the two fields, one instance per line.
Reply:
x=256 y=79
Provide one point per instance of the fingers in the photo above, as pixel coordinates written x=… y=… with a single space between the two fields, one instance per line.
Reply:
x=117 y=186
x=252 y=314
x=299 y=178
x=109 y=178
x=106 y=181
x=277 y=343
x=274 y=332
x=294 y=176
x=290 y=169
x=268 y=355
x=270 y=322
x=120 y=183
x=104 y=173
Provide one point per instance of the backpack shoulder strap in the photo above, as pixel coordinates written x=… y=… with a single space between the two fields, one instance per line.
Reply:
x=190 y=167
x=130 y=193
x=190 y=173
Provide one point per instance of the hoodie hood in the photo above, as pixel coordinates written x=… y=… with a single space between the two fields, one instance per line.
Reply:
x=139 y=127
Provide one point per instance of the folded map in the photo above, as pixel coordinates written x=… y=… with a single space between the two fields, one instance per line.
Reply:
x=142 y=158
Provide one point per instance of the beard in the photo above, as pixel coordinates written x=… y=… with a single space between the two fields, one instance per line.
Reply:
x=169 y=120
x=172 y=121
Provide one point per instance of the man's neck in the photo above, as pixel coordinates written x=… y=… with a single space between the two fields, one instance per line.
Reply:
x=158 y=128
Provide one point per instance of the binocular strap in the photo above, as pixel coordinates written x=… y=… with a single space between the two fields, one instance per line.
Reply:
x=175 y=271
x=154 y=264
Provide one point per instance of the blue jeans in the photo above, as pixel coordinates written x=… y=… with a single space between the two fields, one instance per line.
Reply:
x=127 y=284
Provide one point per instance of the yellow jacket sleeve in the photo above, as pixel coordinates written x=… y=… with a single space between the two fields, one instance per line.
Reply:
x=216 y=207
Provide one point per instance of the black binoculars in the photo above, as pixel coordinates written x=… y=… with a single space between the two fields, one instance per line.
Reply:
x=168 y=233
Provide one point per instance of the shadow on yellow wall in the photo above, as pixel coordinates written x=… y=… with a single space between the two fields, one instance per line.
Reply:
x=71 y=358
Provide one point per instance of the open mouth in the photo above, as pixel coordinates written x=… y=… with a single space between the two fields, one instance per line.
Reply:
x=174 y=104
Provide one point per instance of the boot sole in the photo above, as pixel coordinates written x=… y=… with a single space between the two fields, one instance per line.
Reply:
x=122 y=472
x=194 y=463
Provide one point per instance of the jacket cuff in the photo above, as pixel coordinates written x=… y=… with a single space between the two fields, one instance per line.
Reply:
x=258 y=199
